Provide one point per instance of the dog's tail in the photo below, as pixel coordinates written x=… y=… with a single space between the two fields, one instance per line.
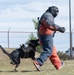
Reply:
x=4 y=51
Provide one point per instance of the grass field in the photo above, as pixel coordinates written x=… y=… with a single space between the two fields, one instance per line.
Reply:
x=27 y=68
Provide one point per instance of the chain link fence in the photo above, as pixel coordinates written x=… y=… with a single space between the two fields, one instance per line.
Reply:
x=13 y=39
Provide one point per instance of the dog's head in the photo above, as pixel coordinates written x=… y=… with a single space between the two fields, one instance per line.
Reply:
x=34 y=43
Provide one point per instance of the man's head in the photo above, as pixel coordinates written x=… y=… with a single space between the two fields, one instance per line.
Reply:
x=53 y=10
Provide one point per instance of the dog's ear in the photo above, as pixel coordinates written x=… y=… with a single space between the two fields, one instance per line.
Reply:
x=38 y=41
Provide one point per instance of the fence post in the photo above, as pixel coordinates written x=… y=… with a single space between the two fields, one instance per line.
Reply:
x=8 y=36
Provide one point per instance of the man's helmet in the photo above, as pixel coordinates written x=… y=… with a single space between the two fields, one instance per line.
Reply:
x=53 y=10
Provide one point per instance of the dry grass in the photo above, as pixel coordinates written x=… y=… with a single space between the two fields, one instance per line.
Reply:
x=27 y=68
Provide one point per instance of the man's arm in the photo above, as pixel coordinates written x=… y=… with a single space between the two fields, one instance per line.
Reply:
x=48 y=21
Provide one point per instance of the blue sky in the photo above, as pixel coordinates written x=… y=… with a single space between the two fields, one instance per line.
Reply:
x=18 y=14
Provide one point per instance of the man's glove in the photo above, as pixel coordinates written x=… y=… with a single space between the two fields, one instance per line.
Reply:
x=61 y=29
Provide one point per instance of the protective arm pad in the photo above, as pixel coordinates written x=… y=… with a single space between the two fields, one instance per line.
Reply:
x=61 y=29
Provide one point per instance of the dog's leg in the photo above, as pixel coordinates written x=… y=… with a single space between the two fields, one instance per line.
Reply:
x=33 y=58
x=15 y=67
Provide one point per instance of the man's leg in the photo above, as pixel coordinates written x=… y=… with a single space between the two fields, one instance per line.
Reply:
x=47 y=45
x=54 y=58
x=43 y=56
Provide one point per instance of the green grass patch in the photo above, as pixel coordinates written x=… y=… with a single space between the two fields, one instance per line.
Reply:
x=27 y=68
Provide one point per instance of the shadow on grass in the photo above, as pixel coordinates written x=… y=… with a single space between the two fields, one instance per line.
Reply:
x=26 y=70
x=20 y=71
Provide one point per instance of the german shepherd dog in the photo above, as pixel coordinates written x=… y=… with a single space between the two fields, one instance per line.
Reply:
x=22 y=52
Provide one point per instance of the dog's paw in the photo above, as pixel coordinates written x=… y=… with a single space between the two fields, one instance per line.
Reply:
x=15 y=70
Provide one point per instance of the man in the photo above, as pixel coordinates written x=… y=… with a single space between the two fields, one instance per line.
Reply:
x=46 y=30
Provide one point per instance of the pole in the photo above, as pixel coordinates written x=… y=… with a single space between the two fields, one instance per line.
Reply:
x=8 y=37
x=70 y=29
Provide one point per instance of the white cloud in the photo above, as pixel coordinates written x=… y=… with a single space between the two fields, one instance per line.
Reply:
x=21 y=12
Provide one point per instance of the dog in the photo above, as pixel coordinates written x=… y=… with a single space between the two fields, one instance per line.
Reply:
x=22 y=52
